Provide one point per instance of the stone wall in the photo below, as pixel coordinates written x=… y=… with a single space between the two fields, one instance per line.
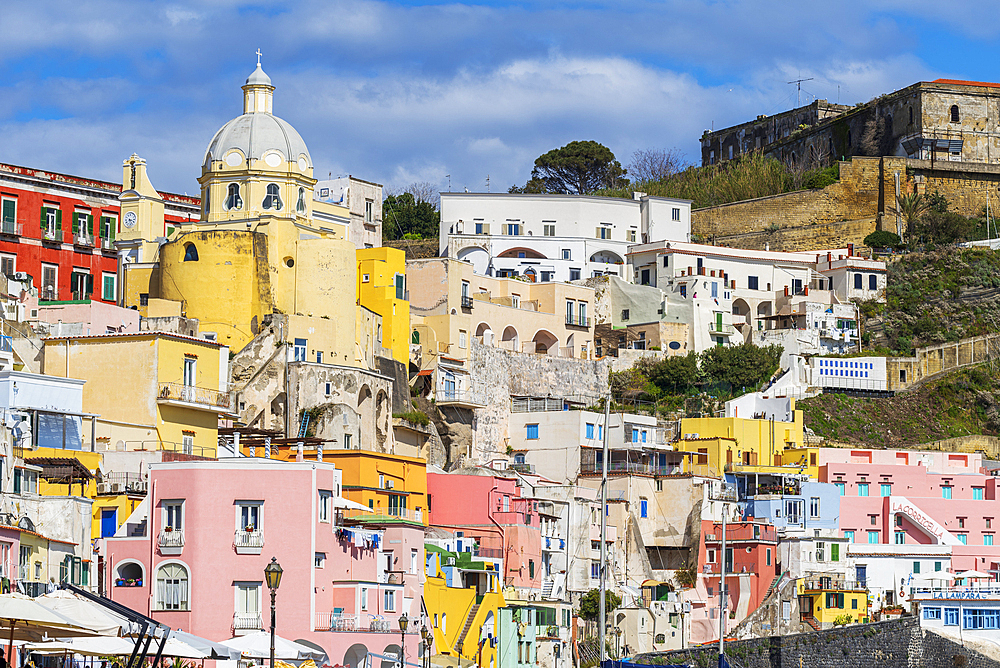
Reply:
x=892 y=644
x=931 y=361
x=503 y=373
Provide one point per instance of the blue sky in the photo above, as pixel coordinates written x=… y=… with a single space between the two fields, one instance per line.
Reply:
x=398 y=92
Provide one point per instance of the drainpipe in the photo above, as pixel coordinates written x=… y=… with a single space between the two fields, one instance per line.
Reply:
x=503 y=537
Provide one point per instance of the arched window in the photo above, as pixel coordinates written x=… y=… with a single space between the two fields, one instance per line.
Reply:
x=954 y=113
x=300 y=206
x=415 y=338
x=190 y=253
x=172 y=587
x=272 y=200
x=233 y=200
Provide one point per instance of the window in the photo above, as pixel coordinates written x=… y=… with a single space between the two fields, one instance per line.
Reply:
x=8 y=215
x=963 y=538
x=643 y=507
x=389 y=601
x=8 y=265
x=566 y=254
x=595 y=570
x=625 y=314
x=814 y=507
x=644 y=280
x=767 y=557
x=987 y=539
x=515 y=301
x=916 y=567
x=109 y=289
x=862 y=489
x=932 y=613
x=885 y=489
x=752 y=283
x=369 y=211
x=187 y=443
x=233 y=200
x=937 y=566
x=143 y=299
x=324 y=505
x=874 y=519
x=841 y=487
x=109 y=225
x=462 y=338
x=857 y=281
x=872 y=282
x=873 y=537
x=173 y=515
x=248 y=603
x=172 y=587
x=630 y=236
x=951 y=616
x=513 y=229
x=675 y=214
x=961 y=522
x=319 y=560
x=272 y=200
x=849 y=535
x=299 y=350
x=190 y=253
x=300 y=205
x=569 y=311
x=364 y=600
x=835 y=552
x=981 y=618
x=954 y=113
x=900 y=538
x=603 y=232
x=945 y=491
x=590 y=430
x=977 y=493
x=549 y=230
x=574 y=274
x=531 y=568
x=532 y=432
x=400 y=282
x=248 y=516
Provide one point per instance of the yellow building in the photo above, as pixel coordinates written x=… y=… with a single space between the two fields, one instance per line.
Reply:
x=825 y=599
x=382 y=289
x=462 y=597
x=263 y=243
x=394 y=486
x=805 y=458
x=722 y=441
x=153 y=390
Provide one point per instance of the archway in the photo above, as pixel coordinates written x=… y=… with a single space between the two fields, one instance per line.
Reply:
x=509 y=339
x=390 y=650
x=545 y=342
x=477 y=256
x=764 y=309
x=522 y=252
x=355 y=656
x=741 y=312
x=484 y=334
x=606 y=256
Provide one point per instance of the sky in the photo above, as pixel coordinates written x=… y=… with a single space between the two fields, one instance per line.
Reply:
x=459 y=95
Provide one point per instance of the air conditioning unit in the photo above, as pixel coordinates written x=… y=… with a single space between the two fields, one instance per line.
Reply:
x=710 y=536
x=117 y=487
x=390 y=484
x=20 y=275
x=104 y=488
x=142 y=486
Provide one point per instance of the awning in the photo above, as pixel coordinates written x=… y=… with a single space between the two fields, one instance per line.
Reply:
x=425 y=372
x=913 y=144
x=652 y=583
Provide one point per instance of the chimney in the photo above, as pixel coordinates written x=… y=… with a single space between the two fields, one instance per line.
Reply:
x=786 y=290
x=850 y=250
x=829 y=258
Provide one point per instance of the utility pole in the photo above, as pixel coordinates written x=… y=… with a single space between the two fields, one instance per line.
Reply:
x=798 y=94
x=604 y=527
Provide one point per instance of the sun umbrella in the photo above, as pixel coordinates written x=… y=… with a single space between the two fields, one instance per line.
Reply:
x=347 y=504
x=22 y=618
x=975 y=575
x=258 y=645
x=936 y=575
x=97 y=646
x=83 y=612
x=213 y=650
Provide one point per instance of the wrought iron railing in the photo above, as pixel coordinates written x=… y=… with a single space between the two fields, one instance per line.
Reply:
x=244 y=538
x=196 y=395
x=247 y=621
x=172 y=538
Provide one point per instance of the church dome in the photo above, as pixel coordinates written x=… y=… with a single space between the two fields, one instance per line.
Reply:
x=256 y=134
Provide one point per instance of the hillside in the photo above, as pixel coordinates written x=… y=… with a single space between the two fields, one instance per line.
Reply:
x=936 y=296
x=962 y=403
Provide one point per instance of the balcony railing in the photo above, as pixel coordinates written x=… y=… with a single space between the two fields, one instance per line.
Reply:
x=51 y=235
x=248 y=542
x=171 y=539
x=830 y=584
x=720 y=328
x=580 y=321
x=247 y=621
x=196 y=395
x=10 y=227
x=84 y=239
x=466 y=302
x=521 y=467
x=122 y=483
x=488 y=552
x=382 y=514
x=24 y=572
x=457 y=396
x=360 y=623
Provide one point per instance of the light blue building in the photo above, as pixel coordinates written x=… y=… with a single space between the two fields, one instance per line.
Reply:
x=792 y=502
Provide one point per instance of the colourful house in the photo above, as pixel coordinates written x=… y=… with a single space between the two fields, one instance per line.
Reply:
x=382 y=289
x=193 y=555
x=153 y=390
x=463 y=597
x=740 y=442
x=824 y=600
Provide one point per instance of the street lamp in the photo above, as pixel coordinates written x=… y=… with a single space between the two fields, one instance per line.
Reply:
x=403 y=622
x=618 y=642
x=272 y=575
x=426 y=635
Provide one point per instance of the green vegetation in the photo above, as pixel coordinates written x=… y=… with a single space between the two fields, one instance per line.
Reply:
x=590 y=604
x=961 y=403
x=883 y=239
x=416 y=417
x=578 y=168
x=411 y=214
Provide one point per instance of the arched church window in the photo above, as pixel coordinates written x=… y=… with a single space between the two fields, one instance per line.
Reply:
x=233 y=200
x=190 y=253
x=300 y=206
x=272 y=200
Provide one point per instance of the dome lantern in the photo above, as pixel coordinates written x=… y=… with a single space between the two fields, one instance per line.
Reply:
x=258 y=91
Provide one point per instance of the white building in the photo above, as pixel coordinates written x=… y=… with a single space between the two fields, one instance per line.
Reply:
x=364 y=201
x=555 y=237
x=964 y=613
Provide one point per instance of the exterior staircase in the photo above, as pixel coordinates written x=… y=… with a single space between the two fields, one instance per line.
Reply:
x=547 y=586
x=811 y=621
x=468 y=625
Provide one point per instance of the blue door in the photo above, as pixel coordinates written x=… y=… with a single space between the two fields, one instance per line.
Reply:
x=109 y=522
x=862 y=575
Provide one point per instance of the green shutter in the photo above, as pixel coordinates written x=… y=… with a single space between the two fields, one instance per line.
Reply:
x=90 y=286
x=76 y=223
x=58 y=220
x=90 y=224
x=835 y=552
x=8 y=211
x=41 y=219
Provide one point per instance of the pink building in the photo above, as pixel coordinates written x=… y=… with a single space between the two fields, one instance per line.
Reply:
x=200 y=541
x=490 y=511
x=911 y=514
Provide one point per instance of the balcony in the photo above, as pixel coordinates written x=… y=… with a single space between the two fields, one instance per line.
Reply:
x=580 y=321
x=84 y=239
x=466 y=302
x=459 y=398
x=521 y=467
x=10 y=228
x=247 y=621
x=108 y=244
x=200 y=398
x=720 y=328
x=553 y=544
x=382 y=515
x=831 y=584
x=52 y=235
x=248 y=542
x=171 y=542
x=356 y=623
x=122 y=483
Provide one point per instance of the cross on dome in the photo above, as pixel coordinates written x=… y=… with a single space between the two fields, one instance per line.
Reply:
x=258 y=57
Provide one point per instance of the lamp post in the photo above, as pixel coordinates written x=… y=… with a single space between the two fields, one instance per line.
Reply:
x=426 y=635
x=618 y=642
x=272 y=575
x=403 y=622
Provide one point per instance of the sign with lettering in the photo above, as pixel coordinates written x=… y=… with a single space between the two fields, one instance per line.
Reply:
x=900 y=504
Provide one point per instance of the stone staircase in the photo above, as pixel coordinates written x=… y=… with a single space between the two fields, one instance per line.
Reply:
x=811 y=621
x=468 y=625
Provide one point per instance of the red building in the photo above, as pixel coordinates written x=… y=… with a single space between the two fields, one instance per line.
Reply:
x=60 y=230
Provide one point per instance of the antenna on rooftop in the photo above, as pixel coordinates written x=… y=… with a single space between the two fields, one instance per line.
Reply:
x=448 y=176
x=798 y=94
x=487 y=183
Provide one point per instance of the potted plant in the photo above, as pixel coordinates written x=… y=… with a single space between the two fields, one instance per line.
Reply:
x=168 y=529
x=248 y=528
